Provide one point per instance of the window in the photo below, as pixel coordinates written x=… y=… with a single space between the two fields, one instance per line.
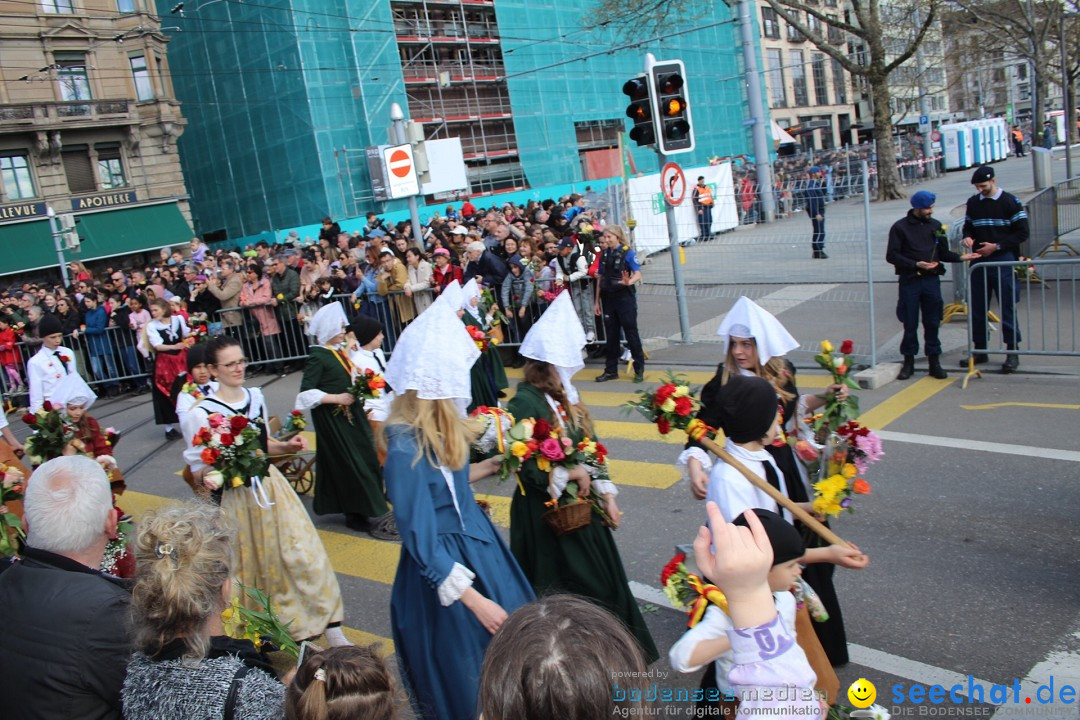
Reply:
x=110 y=166
x=936 y=76
x=125 y=6
x=144 y=87
x=813 y=24
x=798 y=78
x=777 y=93
x=77 y=167
x=71 y=76
x=770 y=25
x=821 y=84
x=794 y=35
x=1021 y=71
x=839 y=83
x=18 y=183
x=58 y=6
x=835 y=36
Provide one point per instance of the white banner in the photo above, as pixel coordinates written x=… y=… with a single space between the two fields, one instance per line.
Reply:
x=647 y=206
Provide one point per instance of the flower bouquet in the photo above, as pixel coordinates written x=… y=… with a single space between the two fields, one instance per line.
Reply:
x=295 y=423
x=836 y=412
x=199 y=333
x=117 y=547
x=12 y=485
x=193 y=390
x=232 y=448
x=483 y=342
x=262 y=626
x=672 y=405
x=688 y=592
x=496 y=424
x=841 y=468
x=112 y=436
x=51 y=434
x=366 y=385
x=490 y=306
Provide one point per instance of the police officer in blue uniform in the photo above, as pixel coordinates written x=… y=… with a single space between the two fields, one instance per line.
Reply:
x=917 y=248
x=619 y=271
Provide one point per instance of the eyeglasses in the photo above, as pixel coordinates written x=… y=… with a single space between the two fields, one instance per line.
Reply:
x=234 y=364
x=117 y=279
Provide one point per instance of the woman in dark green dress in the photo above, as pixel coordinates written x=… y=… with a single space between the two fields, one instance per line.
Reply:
x=585 y=561
x=350 y=478
x=488 y=374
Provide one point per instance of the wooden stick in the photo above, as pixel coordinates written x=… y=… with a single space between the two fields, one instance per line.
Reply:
x=806 y=518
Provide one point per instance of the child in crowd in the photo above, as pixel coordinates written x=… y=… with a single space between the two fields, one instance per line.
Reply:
x=344 y=683
x=707 y=642
x=9 y=356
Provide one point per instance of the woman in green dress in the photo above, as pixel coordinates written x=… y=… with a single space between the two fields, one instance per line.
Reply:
x=350 y=478
x=585 y=561
x=489 y=381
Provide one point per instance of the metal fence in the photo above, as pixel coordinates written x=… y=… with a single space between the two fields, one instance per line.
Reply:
x=1053 y=215
x=1036 y=307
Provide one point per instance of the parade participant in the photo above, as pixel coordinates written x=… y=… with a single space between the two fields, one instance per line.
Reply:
x=585 y=561
x=746 y=410
x=346 y=444
x=489 y=381
x=619 y=271
x=815 y=208
x=192 y=386
x=995 y=226
x=74 y=397
x=917 y=250
x=456 y=580
x=755 y=344
x=166 y=335
x=706 y=643
x=184 y=664
x=277 y=548
x=366 y=354
x=64 y=642
x=10 y=447
x=597 y=658
x=49 y=364
x=702 y=198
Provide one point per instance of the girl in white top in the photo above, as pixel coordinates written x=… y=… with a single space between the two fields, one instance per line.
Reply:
x=366 y=354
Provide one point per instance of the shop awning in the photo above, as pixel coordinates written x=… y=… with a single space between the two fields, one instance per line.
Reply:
x=29 y=245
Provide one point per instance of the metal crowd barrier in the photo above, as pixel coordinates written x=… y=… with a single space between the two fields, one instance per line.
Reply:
x=1037 y=298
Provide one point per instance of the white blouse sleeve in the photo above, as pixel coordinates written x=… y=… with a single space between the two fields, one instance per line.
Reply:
x=193 y=421
x=153 y=334
x=309 y=399
x=683 y=462
x=713 y=626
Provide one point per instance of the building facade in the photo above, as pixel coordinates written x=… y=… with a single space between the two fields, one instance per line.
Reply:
x=88 y=125
x=809 y=94
x=284 y=98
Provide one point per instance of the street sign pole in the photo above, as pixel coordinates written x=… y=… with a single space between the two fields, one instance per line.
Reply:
x=58 y=241
x=398 y=118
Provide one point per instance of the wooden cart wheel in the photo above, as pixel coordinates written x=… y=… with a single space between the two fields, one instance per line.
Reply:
x=303 y=478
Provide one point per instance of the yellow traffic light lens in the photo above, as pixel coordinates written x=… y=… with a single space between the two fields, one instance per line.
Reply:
x=675 y=106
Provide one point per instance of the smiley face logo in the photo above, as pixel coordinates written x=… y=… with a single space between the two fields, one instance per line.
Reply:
x=862 y=693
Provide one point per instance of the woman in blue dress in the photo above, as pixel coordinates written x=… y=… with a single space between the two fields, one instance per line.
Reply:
x=456 y=581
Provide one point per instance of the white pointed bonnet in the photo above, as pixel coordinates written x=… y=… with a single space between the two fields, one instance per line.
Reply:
x=433 y=356
x=329 y=321
x=72 y=389
x=452 y=296
x=747 y=319
x=558 y=338
x=470 y=291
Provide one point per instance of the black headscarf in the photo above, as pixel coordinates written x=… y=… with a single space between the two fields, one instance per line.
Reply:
x=787 y=544
x=365 y=329
x=747 y=408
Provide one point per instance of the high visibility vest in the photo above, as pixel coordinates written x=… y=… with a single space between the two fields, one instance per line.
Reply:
x=1018 y=136
x=704 y=194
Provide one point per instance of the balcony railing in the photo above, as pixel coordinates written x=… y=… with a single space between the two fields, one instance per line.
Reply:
x=445 y=31
x=67 y=113
x=457 y=109
x=457 y=72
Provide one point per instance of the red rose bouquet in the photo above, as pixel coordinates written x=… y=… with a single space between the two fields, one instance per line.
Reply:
x=12 y=485
x=483 y=342
x=672 y=405
x=295 y=423
x=51 y=433
x=232 y=448
x=687 y=591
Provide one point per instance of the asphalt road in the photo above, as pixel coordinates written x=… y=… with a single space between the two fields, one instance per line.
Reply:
x=970 y=527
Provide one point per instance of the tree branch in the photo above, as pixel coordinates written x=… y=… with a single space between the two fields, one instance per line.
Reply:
x=914 y=44
x=782 y=9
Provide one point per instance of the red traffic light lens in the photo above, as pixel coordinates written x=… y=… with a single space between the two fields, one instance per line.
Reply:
x=669 y=84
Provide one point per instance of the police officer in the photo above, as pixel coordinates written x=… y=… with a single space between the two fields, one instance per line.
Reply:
x=618 y=272
x=917 y=248
x=995 y=226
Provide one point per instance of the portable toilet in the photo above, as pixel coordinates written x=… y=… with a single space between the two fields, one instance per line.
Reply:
x=991 y=140
x=1003 y=140
x=978 y=146
x=999 y=148
x=956 y=141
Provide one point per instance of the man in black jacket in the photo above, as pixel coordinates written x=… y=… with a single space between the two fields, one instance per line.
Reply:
x=65 y=640
x=917 y=248
x=995 y=226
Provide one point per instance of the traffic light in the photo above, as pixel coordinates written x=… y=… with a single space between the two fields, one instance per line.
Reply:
x=640 y=110
x=674 y=126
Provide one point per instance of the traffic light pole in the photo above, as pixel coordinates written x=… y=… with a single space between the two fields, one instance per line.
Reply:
x=58 y=241
x=760 y=126
x=397 y=116
x=676 y=266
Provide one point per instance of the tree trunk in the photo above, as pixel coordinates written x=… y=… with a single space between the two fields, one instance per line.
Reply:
x=889 y=187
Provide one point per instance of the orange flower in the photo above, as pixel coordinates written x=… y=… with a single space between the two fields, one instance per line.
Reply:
x=860 y=487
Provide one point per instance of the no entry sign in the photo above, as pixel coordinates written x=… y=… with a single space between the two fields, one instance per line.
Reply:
x=401 y=180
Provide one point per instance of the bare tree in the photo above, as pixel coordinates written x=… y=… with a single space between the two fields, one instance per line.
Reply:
x=861 y=26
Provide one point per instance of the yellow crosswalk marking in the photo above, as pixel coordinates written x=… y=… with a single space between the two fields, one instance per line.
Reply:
x=359 y=637
x=891 y=409
x=644 y=474
x=1048 y=406
x=500 y=507
x=624 y=430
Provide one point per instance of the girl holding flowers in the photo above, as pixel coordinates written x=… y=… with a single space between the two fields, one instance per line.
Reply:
x=584 y=561
x=755 y=344
x=277 y=548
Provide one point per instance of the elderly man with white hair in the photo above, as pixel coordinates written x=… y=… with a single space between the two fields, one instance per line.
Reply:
x=484 y=265
x=64 y=642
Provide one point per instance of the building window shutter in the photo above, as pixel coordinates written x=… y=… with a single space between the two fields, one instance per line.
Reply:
x=79 y=170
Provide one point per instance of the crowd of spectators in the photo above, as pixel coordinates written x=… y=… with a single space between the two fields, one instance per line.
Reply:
x=266 y=293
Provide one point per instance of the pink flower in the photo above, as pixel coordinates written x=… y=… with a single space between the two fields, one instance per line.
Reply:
x=551 y=448
x=215 y=420
x=806 y=451
x=567 y=442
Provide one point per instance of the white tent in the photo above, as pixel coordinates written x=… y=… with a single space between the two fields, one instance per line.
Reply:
x=780 y=135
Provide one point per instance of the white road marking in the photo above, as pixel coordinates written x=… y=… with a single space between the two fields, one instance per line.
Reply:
x=981 y=445
x=1063 y=665
x=913 y=670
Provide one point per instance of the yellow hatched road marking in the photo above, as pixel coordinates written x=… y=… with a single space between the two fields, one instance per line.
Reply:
x=644 y=474
x=891 y=409
x=994 y=406
x=624 y=430
x=359 y=637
